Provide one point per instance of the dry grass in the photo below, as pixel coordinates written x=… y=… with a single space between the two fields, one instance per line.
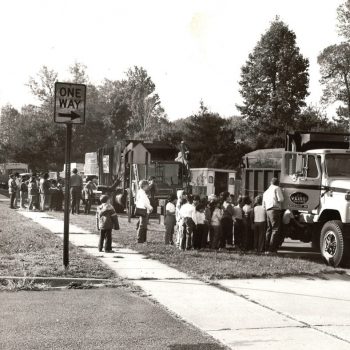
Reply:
x=27 y=249
x=205 y=264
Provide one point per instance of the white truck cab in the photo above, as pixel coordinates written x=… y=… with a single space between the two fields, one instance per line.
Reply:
x=316 y=183
x=314 y=174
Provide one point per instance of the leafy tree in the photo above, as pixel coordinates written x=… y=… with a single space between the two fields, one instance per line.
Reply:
x=142 y=101
x=343 y=17
x=115 y=110
x=78 y=73
x=43 y=87
x=132 y=109
x=210 y=139
x=8 y=121
x=274 y=83
x=334 y=64
x=312 y=118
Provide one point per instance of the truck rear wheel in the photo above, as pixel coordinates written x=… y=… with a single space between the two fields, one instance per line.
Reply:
x=333 y=246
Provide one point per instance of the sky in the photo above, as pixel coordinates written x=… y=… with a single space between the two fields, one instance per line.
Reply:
x=192 y=49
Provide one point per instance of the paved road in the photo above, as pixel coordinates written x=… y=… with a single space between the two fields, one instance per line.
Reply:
x=272 y=314
x=92 y=319
x=257 y=314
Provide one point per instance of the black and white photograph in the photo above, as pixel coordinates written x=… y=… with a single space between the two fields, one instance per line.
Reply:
x=175 y=175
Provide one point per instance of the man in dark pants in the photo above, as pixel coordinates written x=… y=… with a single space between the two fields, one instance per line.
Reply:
x=12 y=191
x=272 y=202
x=76 y=187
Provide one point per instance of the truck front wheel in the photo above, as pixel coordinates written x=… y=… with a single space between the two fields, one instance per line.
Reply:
x=333 y=246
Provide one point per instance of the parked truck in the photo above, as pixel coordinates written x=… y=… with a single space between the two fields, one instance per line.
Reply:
x=209 y=181
x=314 y=174
x=122 y=165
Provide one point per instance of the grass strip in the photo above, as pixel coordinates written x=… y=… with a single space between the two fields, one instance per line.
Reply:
x=207 y=265
x=28 y=250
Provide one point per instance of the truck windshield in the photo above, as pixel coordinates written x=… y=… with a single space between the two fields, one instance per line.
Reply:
x=338 y=165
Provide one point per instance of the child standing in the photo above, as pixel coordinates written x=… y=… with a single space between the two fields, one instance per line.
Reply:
x=170 y=219
x=227 y=221
x=207 y=214
x=33 y=194
x=106 y=220
x=179 y=222
x=53 y=193
x=200 y=231
x=216 y=226
x=186 y=214
x=259 y=224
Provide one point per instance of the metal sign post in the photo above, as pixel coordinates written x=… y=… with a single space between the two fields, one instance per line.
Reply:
x=131 y=160
x=70 y=102
x=67 y=196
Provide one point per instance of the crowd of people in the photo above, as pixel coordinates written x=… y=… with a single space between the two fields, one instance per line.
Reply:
x=36 y=192
x=218 y=222
x=191 y=222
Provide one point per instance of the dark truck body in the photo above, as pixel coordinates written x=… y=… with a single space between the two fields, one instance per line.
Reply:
x=134 y=160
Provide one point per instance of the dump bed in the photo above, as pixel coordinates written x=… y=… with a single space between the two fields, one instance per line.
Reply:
x=259 y=167
x=300 y=141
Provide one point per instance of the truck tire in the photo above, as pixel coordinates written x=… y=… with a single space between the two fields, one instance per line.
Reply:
x=334 y=248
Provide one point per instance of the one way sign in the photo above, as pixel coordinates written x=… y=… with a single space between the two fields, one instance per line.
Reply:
x=70 y=100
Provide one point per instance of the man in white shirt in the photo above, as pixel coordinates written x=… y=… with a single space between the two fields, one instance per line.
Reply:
x=272 y=202
x=143 y=202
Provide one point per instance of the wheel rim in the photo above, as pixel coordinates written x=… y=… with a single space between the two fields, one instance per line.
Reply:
x=330 y=244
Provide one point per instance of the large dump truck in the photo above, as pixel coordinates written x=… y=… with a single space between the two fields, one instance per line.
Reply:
x=314 y=174
x=122 y=165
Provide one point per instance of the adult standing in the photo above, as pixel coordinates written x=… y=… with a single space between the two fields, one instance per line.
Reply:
x=12 y=191
x=18 y=189
x=272 y=202
x=76 y=186
x=44 y=190
x=143 y=203
x=152 y=190
x=88 y=193
x=23 y=192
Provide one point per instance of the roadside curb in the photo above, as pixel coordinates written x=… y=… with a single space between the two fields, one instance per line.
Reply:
x=57 y=281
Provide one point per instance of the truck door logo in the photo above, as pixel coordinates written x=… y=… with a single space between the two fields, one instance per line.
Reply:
x=299 y=198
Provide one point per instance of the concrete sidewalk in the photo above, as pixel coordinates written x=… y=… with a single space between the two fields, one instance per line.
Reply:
x=255 y=314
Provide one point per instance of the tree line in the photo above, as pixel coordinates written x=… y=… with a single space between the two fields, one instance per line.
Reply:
x=274 y=85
